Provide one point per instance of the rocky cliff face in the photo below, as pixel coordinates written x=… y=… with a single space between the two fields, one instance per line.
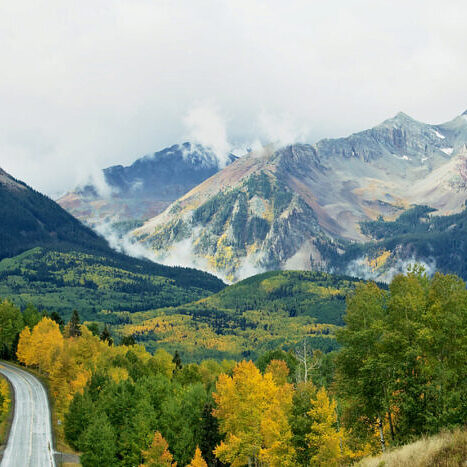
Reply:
x=145 y=188
x=300 y=206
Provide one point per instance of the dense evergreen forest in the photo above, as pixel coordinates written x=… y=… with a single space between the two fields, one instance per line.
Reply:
x=400 y=372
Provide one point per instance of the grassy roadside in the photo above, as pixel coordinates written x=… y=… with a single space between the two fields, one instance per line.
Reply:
x=447 y=449
x=6 y=409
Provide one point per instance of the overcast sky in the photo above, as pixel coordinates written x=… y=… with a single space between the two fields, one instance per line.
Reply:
x=86 y=84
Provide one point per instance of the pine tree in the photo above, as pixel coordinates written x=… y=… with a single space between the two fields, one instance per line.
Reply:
x=78 y=418
x=75 y=324
x=99 y=444
x=178 y=361
x=57 y=318
x=106 y=336
x=210 y=436
x=128 y=341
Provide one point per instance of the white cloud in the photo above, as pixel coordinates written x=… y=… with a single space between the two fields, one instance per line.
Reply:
x=207 y=127
x=281 y=129
x=94 y=83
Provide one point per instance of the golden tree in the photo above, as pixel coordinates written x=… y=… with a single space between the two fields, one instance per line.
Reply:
x=325 y=439
x=158 y=455
x=41 y=347
x=198 y=460
x=252 y=412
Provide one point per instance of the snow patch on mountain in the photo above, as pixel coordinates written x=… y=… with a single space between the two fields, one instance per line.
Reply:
x=439 y=135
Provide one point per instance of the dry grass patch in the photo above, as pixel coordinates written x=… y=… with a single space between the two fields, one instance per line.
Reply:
x=448 y=449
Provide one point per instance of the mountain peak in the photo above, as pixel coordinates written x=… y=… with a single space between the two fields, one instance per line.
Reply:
x=9 y=182
x=403 y=116
x=400 y=118
x=464 y=114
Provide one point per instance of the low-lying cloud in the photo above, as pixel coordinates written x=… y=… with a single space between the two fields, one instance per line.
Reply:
x=206 y=126
x=360 y=268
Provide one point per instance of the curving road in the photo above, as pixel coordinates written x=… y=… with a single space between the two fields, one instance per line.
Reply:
x=30 y=442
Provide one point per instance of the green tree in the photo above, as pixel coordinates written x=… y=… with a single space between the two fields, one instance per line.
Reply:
x=128 y=341
x=31 y=316
x=106 y=336
x=362 y=364
x=177 y=361
x=404 y=355
x=300 y=420
x=57 y=318
x=11 y=324
x=74 y=324
x=99 y=443
x=78 y=418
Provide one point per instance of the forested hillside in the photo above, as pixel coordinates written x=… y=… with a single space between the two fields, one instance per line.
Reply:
x=260 y=313
x=104 y=287
x=63 y=265
x=418 y=234
x=29 y=219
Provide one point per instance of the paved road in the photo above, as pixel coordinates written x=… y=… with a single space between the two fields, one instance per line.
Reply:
x=30 y=442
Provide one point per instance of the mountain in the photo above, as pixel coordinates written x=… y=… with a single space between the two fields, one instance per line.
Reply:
x=29 y=219
x=261 y=313
x=50 y=259
x=300 y=206
x=145 y=188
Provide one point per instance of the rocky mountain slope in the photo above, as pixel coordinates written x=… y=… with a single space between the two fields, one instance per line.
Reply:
x=300 y=206
x=145 y=188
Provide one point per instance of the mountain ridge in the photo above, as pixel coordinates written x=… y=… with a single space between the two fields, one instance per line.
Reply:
x=30 y=219
x=329 y=188
x=145 y=187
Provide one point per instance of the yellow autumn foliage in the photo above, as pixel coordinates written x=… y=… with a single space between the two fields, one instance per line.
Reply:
x=253 y=413
x=198 y=460
x=5 y=397
x=158 y=455
x=41 y=347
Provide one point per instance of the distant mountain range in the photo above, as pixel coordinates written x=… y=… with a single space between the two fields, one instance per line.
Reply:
x=303 y=206
x=145 y=188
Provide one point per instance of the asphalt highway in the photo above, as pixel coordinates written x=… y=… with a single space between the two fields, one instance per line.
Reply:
x=30 y=442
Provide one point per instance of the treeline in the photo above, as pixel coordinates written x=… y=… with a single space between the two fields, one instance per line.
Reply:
x=123 y=406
